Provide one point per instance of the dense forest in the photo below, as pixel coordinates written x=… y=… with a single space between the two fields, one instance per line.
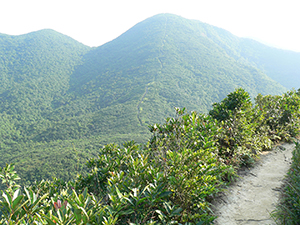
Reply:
x=61 y=101
x=173 y=177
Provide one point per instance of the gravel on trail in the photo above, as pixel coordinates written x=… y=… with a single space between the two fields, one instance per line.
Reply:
x=254 y=195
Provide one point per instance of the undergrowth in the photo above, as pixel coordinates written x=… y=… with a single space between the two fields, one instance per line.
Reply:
x=288 y=209
x=169 y=180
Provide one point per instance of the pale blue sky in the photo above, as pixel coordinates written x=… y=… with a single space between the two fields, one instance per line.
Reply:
x=95 y=22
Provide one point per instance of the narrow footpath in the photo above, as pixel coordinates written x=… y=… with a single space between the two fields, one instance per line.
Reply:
x=252 y=198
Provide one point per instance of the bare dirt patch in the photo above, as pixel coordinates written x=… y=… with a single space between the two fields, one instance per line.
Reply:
x=252 y=198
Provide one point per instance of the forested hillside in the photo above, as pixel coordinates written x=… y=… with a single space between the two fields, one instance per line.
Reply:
x=172 y=179
x=60 y=101
x=282 y=66
x=35 y=70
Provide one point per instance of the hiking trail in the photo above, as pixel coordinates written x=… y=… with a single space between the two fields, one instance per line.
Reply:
x=254 y=195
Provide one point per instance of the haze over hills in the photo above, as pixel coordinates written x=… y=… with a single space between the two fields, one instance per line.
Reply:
x=281 y=65
x=56 y=92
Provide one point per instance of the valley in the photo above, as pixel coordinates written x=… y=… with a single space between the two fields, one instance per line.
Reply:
x=61 y=101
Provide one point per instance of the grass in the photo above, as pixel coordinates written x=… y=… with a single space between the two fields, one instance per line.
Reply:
x=288 y=209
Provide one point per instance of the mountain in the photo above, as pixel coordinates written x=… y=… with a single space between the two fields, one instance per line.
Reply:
x=60 y=100
x=34 y=71
x=163 y=62
x=282 y=66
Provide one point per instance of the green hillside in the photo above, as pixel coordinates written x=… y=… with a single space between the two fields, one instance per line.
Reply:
x=161 y=63
x=60 y=101
x=35 y=69
x=282 y=66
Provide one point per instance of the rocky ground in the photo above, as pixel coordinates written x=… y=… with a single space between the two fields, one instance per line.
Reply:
x=252 y=198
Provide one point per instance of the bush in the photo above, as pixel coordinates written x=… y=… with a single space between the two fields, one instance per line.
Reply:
x=172 y=178
x=185 y=148
x=288 y=210
x=238 y=123
x=282 y=115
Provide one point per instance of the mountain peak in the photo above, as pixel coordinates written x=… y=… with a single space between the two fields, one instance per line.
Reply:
x=55 y=91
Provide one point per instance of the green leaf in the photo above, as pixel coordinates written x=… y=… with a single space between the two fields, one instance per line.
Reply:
x=16 y=194
x=7 y=197
x=160 y=213
x=177 y=211
x=17 y=201
x=165 y=194
x=126 y=212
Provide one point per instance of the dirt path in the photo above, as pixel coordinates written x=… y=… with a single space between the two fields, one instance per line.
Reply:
x=251 y=199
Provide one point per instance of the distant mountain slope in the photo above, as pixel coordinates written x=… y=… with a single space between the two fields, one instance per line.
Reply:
x=282 y=66
x=56 y=92
x=163 y=62
x=35 y=69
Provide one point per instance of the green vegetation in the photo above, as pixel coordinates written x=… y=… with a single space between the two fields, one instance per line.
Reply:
x=288 y=210
x=60 y=101
x=274 y=62
x=169 y=180
x=280 y=65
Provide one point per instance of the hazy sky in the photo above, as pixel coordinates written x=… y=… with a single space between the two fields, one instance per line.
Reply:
x=95 y=22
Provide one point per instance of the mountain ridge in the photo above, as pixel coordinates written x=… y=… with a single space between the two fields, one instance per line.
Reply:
x=58 y=92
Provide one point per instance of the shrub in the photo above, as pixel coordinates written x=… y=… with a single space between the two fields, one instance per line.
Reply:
x=237 y=121
x=25 y=206
x=288 y=210
x=282 y=115
x=185 y=148
x=172 y=178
